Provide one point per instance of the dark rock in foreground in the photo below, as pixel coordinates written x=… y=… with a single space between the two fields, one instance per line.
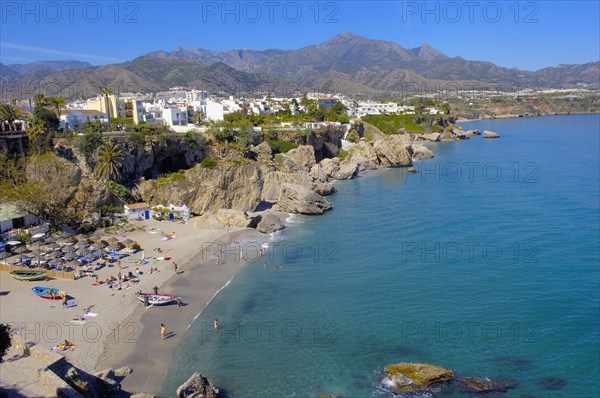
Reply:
x=197 y=386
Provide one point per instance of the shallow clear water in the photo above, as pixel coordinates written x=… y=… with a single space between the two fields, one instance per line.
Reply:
x=486 y=262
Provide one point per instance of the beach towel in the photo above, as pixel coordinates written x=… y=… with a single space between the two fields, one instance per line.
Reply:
x=71 y=303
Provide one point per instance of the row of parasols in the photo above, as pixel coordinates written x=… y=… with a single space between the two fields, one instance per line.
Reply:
x=75 y=250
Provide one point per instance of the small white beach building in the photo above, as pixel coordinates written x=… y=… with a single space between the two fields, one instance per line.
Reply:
x=137 y=211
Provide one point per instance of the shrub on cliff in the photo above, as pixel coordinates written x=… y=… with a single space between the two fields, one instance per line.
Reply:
x=208 y=163
x=282 y=146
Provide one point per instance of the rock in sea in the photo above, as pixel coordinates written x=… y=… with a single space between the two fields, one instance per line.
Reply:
x=197 y=386
x=295 y=198
x=407 y=377
x=490 y=134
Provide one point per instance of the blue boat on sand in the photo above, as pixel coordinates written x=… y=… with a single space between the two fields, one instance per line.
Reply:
x=48 y=293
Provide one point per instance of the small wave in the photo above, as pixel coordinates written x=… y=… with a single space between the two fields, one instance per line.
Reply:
x=211 y=299
x=293 y=219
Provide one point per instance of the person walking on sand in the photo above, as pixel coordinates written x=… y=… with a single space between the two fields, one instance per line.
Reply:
x=155 y=288
x=175 y=266
x=163 y=331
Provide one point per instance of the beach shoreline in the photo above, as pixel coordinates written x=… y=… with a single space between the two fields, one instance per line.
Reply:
x=116 y=326
x=198 y=282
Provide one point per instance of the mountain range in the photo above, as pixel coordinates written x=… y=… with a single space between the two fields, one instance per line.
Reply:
x=346 y=63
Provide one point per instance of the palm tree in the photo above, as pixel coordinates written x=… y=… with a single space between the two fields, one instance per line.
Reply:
x=106 y=91
x=40 y=100
x=36 y=128
x=9 y=114
x=57 y=103
x=110 y=161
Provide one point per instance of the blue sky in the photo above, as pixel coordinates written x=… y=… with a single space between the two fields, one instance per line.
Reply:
x=524 y=34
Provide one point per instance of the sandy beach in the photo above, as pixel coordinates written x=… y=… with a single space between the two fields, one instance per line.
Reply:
x=124 y=332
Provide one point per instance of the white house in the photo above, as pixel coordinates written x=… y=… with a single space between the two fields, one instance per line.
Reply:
x=215 y=111
x=74 y=119
x=136 y=211
x=13 y=217
x=175 y=116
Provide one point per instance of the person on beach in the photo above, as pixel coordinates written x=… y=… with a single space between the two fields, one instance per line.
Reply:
x=174 y=266
x=163 y=331
x=64 y=301
x=179 y=303
x=216 y=323
x=155 y=288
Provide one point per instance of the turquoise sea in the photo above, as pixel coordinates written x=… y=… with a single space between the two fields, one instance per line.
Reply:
x=486 y=262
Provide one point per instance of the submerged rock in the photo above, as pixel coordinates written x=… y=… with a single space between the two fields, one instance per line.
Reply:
x=197 y=386
x=407 y=377
x=474 y=384
x=490 y=134
x=295 y=198
x=552 y=383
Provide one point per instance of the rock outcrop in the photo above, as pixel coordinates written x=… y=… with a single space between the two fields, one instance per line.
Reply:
x=407 y=377
x=299 y=159
x=490 y=134
x=471 y=133
x=269 y=223
x=391 y=151
x=236 y=218
x=295 y=198
x=421 y=152
x=339 y=170
x=227 y=186
x=197 y=386
x=433 y=137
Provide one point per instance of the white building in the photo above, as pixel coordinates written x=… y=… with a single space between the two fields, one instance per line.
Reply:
x=13 y=217
x=215 y=111
x=175 y=116
x=137 y=211
x=75 y=119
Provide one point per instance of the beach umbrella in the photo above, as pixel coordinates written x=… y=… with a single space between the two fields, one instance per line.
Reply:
x=95 y=237
x=81 y=237
x=98 y=245
x=73 y=263
x=113 y=248
x=53 y=254
x=65 y=241
x=83 y=252
x=52 y=246
x=38 y=252
x=14 y=242
x=82 y=243
x=68 y=249
x=112 y=239
x=128 y=242
x=38 y=236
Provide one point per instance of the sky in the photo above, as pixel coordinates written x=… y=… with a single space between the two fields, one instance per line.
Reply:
x=528 y=35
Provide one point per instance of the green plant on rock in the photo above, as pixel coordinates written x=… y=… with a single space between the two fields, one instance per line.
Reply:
x=208 y=163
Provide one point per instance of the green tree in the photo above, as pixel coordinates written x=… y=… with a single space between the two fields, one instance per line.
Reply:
x=40 y=100
x=109 y=162
x=87 y=144
x=47 y=116
x=9 y=114
x=57 y=104
x=106 y=92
